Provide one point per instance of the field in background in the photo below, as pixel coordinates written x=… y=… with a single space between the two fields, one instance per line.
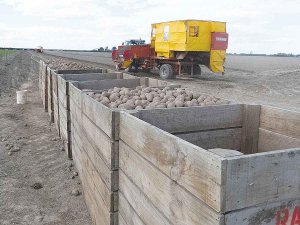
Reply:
x=4 y=52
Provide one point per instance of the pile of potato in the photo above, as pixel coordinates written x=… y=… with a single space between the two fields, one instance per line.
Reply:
x=61 y=64
x=143 y=97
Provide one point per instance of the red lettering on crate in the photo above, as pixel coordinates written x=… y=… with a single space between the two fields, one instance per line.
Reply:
x=282 y=217
x=296 y=216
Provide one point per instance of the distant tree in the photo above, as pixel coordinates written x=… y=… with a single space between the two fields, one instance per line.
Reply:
x=114 y=48
x=106 y=48
x=101 y=49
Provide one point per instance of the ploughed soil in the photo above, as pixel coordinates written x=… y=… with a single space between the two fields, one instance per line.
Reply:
x=36 y=177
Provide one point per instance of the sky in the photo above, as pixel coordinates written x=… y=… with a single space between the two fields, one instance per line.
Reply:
x=257 y=26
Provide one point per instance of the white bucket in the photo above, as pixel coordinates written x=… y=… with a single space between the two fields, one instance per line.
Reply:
x=22 y=97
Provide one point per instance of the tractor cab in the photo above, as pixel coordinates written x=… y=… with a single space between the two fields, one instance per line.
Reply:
x=134 y=42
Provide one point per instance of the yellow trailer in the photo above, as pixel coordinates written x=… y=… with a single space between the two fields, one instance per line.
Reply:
x=177 y=47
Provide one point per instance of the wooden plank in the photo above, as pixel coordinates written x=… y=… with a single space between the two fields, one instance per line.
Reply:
x=225 y=153
x=162 y=83
x=106 y=84
x=175 y=202
x=50 y=97
x=96 y=208
x=75 y=112
x=54 y=81
x=45 y=88
x=99 y=70
x=128 y=215
x=153 y=82
x=176 y=158
x=109 y=177
x=262 y=177
x=135 y=206
x=271 y=141
x=279 y=213
x=63 y=85
x=97 y=185
x=224 y=138
x=128 y=76
x=63 y=98
x=75 y=94
x=105 y=147
x=280 y=121
x=65 y=113
x=180 y=120
x=92 y=76
x=250 y=127
x=101 y=115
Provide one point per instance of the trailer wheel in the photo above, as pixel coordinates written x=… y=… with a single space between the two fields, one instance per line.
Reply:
x=197 y=69
x=166 y=71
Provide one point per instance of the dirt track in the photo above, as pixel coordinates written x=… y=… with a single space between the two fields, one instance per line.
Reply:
x=36 y=157
x=271 y=81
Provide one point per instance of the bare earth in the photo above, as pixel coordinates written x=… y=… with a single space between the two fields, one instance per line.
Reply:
x=36 y=157
x=39 y=159
x=271 y=81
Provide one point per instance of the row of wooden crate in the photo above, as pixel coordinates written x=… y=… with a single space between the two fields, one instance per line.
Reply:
x=228 y=164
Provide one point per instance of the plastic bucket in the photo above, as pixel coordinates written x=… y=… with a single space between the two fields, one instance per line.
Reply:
x=22 y=97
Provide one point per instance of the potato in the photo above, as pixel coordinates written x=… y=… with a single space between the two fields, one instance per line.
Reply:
x=171 y=105
x=185 y=104
x=164 y=100
x=150 y=107
x=139 y=107
x=160 y=106
x=194 y=102
x=156 y=99
x=201 y=99
x=138 y=102
x=125 y=100
x=105 y=94
x=162 y=95
x=98 y=99
x=143 y=97
x=144 y=102
x=196 y=95
x=149 y=97
x=187 y=99
x=105 y=99
x=118 y=102
x=179 y=104
x=98 y=95
x=131 y=101
x=188 y=103
x=92 y=94
x=210 y=103
x=104 y=103
x=127 y=93
x=113 y=105
x=166 y=88
x=169 y=93
x=208 y=99
x=114 y=97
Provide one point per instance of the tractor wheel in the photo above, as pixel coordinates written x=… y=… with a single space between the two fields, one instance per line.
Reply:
x=166 y=71
x=129 y=69
x=196 y=70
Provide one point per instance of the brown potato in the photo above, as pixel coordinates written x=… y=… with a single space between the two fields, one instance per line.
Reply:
x=179 y=104
x=171 y=105
x=114 y=97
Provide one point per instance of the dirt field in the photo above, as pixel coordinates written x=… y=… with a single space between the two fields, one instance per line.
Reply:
x=30 y=152
x=35 y=175
x=271 y=81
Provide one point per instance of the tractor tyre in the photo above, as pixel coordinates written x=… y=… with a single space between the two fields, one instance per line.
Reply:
x=129 y=69
x=166 y=71
x=196 y=70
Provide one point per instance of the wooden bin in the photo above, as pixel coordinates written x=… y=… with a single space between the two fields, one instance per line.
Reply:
x=95 y=144
x=60 y=93
x=176 y=166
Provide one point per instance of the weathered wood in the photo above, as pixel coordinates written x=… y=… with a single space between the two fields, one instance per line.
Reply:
x=75 y=94
x=280 y=121
x=179 y=120
x=224 y=138
x=63 y=99
x=54 y=81
x=262 y=177
x=225 y=153
x=101 y=115
x=135 y=206
x=271 y=141
x=106 y=84
x=50 y=97
x=100 y=70
x=45 y=87
x=279 y=213
x=63 y=85
x=128 y=76
x=65 y=113
x=92 y=76
x=177 y=159
x=109 y=177
x=250 y=127
x=105 y=147
x=153 y=82
x=175 y=202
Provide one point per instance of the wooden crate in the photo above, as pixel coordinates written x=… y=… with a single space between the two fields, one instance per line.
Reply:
x=95 y=146
x=165 y=179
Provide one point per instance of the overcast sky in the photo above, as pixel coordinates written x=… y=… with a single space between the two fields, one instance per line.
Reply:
x=260 y=26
